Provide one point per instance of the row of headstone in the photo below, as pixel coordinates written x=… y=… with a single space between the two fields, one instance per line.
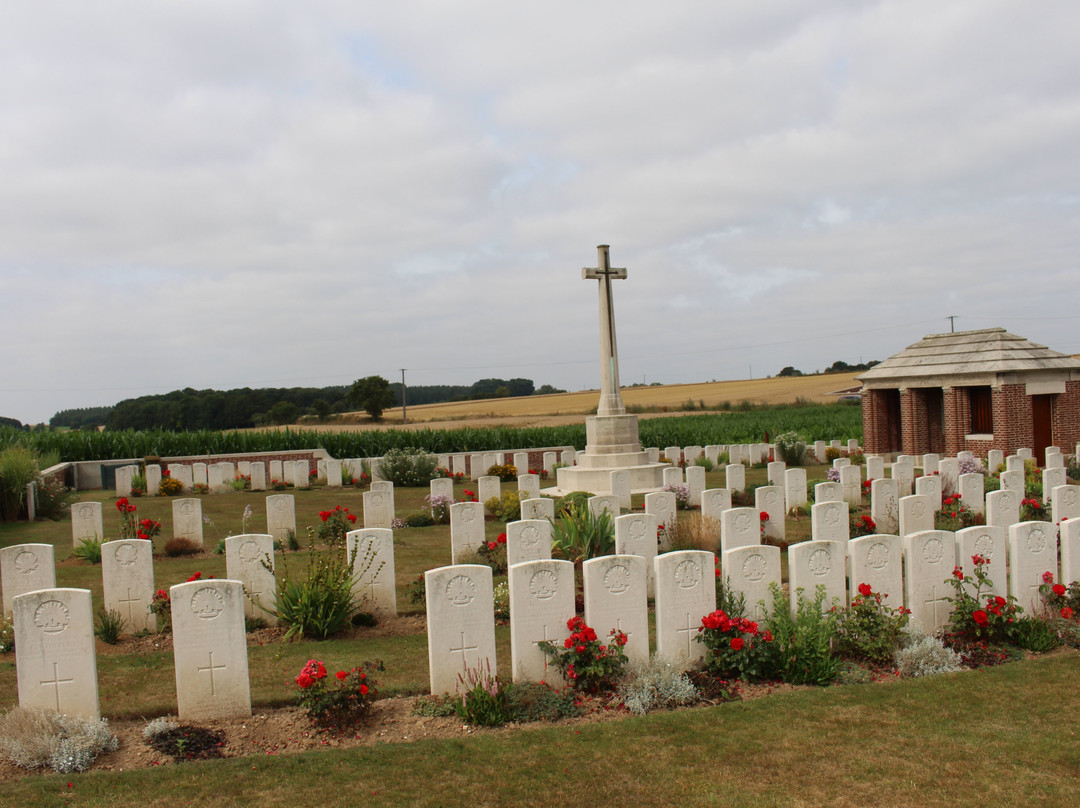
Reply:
x=56 y=665
x=461 y=632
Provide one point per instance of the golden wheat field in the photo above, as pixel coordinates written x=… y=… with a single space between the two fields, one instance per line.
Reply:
x=563 y=408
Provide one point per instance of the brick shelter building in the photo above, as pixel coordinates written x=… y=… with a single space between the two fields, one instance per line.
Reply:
x=973 y=391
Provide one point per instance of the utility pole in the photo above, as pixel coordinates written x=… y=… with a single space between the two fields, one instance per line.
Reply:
x=404 y=417
x=952 y=323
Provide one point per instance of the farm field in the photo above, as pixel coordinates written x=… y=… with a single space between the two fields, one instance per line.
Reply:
x=568 y=408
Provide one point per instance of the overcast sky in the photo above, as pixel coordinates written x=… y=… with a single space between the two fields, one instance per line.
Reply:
x=277 y=194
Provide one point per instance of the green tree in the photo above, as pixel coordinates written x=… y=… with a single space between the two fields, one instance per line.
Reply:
x=284 y=412
x=790 y=371
x=321 y=407
x=373 y=395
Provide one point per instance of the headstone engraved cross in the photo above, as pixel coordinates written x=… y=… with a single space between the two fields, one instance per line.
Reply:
x=463 y=649
x=611 y=402
x=56 y=681
x=210 y=668
x=690 y=631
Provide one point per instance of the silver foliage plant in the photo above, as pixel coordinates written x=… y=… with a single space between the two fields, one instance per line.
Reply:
x=924 y=655
x=32 y=739
x=656 y=685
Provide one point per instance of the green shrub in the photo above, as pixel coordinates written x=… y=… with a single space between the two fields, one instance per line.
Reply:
x=575 y=500
x=803 y=642
x=484 y=699
x=32 y=739
x=420 y=519
x=321 y=604
x=1036 y=635
x=587 y=664
x=18 y=468
x=791 y=450
x=656 y=685
x=506 y=472
x=408 y=467
x=506 y=508
x=7 y=635
x=108 y=626
x=868 y=629
x=88 y=550
x=52 y=498
x=182 y=546
x=536 y=701
x=579 y=535
x=502 y=601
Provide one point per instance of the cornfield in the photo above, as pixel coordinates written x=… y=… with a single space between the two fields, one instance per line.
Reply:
x=821 y=422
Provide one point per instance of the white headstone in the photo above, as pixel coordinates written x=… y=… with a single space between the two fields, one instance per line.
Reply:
x=55 y=662
x=1014 y=463
x=929 y=487
x=820 y=448
x=187 y=520
x=748 y=571
x=529 y=486
x=249 y=559
x=1013 y=481
x=442 y=487
x=829 y=521
x=460 y=624
x=949 y=474
x=673 y=475
x=258 y=476
x=371 y=556
x=930 y=463
x=477 y=469
x=635 y=534
x=885 y=505
x=459 y=464
x=210 y=650
x=714 y=501
x=929 y=559
x=1070 y=551
x=652 y=454
x=662 y=505
x=994 y=459
x=990 y=543
x=695 y=481
x=216 y=479
x=568 y=457
x=775 y=472
x=1002 y=508
x=828 y=492
x=277 y=471
x=851 y=483
x=550 y=459
x=521 y=462
x=198 y=474
x=875 y=467
x=735 y=476
x=487 y=487
x=1025 y=453
x=616 y=599
x=606 y=502
x=795 y=488
x=673 y=454
x=1032 y=552
x=770 y=499
x=527 y=540
x=281 y=516
x=878 y=560
x=818 y=563
x=904 y=474
x=972 y=490
x=619 y=486
x=153 y=479
x=24 y=568
x=123 y=480
x=916 y=514
x=466 y=528
x=541 y=604
x=685 y=593
x=1055 y=460
x=86 y=522
x=379 y=509
x=538 y=508
x=127 y=573
x=1065 y=503
x=333 y=473
x=181 y=472
x=739 y=527
x=1051 y=479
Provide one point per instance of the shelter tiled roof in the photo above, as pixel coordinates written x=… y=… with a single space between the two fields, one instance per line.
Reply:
x=990 y=350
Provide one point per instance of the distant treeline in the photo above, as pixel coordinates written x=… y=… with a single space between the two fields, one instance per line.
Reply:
x=188 y=409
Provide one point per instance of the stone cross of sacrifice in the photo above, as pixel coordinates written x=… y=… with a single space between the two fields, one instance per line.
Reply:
x=611 y=402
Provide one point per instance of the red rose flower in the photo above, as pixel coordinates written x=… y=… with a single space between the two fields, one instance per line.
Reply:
x=1059 y=589
x=764 y=516
x=865 y=590
x=501 y=539
x=737 y=643
x=304 y=680
x=491 y=545
x=341 y=675
x=980 y=617
x=1048 y=577
x=194 y=577
x=1000 y=601
x=352 y=517
x=363 y=690
x=958 y=573
x=1067 y=613
x=321 y=674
